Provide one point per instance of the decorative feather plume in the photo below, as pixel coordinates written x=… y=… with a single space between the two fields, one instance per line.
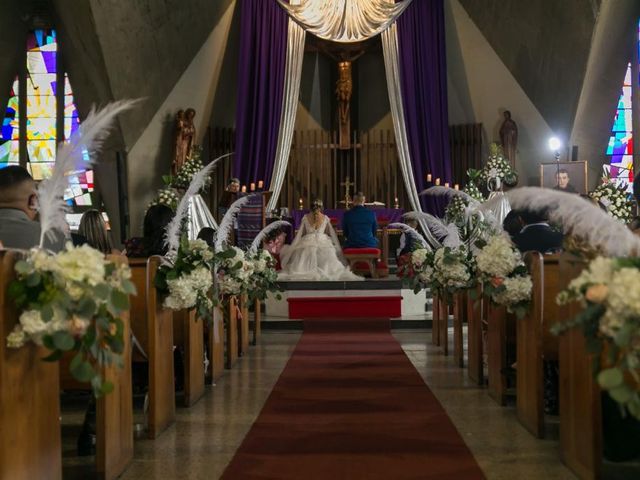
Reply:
x=264 y=232
x=412 y=232
x=226 y=224
x=435 y=225
x=452 y=239
x=172 y=232
x=440 y=191
x=578 y=217
x=70 y=156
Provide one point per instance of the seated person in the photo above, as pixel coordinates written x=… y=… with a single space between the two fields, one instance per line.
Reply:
x=229 y=196
x=207 y=234
x=94 y=231
x=359 y=225
x=537 y=235
x=153 y=241
x=18 y=212
x=512 y=224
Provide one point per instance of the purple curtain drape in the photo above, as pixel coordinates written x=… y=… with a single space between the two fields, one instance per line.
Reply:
x=261 y=67
x=423 y=78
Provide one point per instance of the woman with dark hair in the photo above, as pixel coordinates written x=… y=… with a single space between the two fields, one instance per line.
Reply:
x=315 y=253
x=153 y=240
x=94 y=230
x=207 y=234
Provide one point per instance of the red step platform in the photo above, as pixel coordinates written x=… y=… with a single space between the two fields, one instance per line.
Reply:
x=345 y=307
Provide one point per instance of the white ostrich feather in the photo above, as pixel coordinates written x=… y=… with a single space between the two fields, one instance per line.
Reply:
x=264 y=232
x=173 y=230
x=578 y=217
x=70 y=157
x=411 y=232
x=440 y=191
x=452 y=239
x=435 y=225
x=226 y=224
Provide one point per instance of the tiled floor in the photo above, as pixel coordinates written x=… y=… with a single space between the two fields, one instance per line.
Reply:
x=205 y=437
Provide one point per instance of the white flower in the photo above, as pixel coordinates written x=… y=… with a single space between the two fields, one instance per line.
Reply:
x=42 y=261
x=517 y=289
x=16 y=338
x=419 y=256
x=623 y=299
x=184 y=291
x=32 y=322
x=498 y=258
x=81 y=264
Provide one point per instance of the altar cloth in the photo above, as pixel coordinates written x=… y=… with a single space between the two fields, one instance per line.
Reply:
x=386 y=215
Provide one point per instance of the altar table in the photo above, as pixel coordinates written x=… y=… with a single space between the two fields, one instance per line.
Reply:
x=383 y=216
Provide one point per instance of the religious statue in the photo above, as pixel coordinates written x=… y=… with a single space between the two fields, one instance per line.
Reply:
x=344 y=89
x=509 y=138
x=184 y=138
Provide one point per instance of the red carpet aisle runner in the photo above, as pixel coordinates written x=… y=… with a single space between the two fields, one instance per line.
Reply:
x=350 y=405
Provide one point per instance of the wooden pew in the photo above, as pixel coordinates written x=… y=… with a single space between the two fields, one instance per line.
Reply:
x=114 y=412
x=443 y=328
x=243 y=327
x=215 y=344
x=257 y=323
x=152 y=324
x=188 y=331
x=30 y=446
x=231 y=351
x=435 y=319
x=459 y=318
x=535 y=343
x=475 y=369
x=580 y=408
x=499 y=332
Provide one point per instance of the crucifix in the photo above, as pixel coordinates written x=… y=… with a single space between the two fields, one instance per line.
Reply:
x=347 y=194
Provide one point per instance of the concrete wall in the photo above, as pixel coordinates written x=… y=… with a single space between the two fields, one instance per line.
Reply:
x=150 y=156
x=614 y=41
x=481 y=87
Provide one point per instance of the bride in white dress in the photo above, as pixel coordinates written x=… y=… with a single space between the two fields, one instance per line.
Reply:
x=315 y=253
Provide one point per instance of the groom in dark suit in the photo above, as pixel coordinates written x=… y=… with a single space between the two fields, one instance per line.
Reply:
x=359 y=225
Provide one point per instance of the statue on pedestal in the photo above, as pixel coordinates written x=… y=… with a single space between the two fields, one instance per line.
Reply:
x=184 y=138
x=509 y=137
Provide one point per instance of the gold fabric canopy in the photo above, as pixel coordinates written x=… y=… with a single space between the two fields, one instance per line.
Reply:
x=345 y=21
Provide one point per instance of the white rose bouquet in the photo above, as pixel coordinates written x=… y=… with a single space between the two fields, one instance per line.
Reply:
x=504 y=276
x=187 y=283
x=264 y=278
x=234 y=272
x=452 y=270
x=166 y=196
x=615 y=200
x=72 y=302
x=498 y=166
x=192 y=166
x=609 y=291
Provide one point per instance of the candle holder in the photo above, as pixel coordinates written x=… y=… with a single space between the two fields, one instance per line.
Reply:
x=300 y=205
x=396 y=205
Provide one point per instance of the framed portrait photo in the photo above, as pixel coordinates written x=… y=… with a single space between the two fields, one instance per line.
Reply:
x=570 y=177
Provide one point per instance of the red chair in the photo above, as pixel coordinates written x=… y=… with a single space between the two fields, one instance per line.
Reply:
x=363 y=260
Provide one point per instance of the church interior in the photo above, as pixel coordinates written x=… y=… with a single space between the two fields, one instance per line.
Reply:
x=319 y=239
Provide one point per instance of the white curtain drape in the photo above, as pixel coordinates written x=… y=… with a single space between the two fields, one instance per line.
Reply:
x=392 y=70
x=345 y=21
x=293 y=73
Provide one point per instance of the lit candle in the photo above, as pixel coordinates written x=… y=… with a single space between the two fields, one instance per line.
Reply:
x=252 y=187
x=446 y=184
x=300 y=203
x=260 y=184
x=244 y=189
x=428 y=177
x=456 y=186
x=437 y=181
x=395 y=199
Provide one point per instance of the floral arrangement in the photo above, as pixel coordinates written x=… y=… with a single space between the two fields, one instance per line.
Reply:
x=72 y=302
x=471 y=189
x=264 y=278
x=455 y=211
x=452 y=270
x=504 y=276
x=167 y=196
x=418 y=272
x=498 y=166
x=188 y=281
x=234 y=272
x=609 y=290
x=192 y=166
x=615 y=200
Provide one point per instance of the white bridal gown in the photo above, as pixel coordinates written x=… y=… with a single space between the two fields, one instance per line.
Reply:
x=315 y=254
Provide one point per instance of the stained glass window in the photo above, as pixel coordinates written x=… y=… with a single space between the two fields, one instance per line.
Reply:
x=45 y=110
x=620 y=147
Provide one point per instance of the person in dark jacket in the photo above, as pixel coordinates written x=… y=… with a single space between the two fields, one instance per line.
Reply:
x=359 y=225
x=536 y=234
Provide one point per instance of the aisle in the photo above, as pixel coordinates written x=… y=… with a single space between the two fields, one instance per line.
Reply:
x=350 y=404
